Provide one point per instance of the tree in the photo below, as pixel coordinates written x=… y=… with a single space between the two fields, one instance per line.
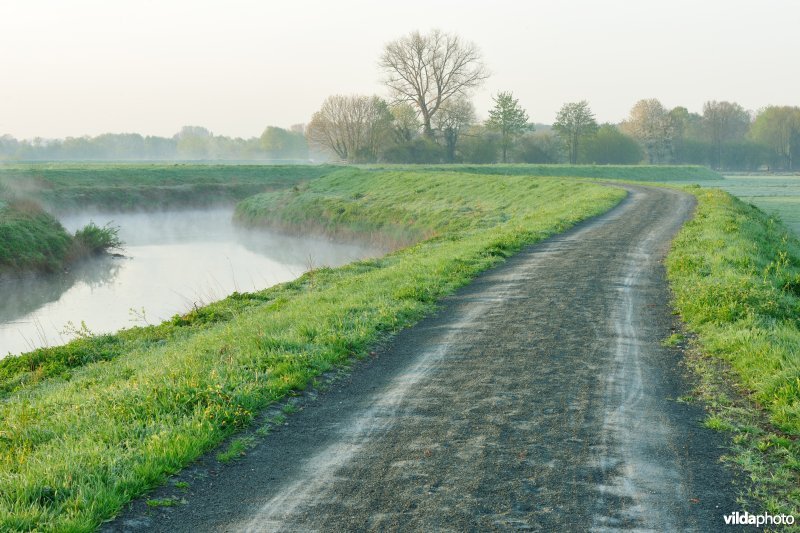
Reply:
x=453 y=118
x=609 y=146
x=279 y=143
x=405 y=125
x=193 y=142
x=508 y=119
x=650 y=125
x=574 y=122
x=539 y=147
x=724 y=121
x=479 y=145
x=689 y=144
x=351 y=127
x=778 y=128
x=428 y=70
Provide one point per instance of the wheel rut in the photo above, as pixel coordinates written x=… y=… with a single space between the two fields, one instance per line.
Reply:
x=538 y=398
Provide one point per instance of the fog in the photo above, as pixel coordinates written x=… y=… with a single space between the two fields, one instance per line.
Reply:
x=88 y=67
x=172 y=262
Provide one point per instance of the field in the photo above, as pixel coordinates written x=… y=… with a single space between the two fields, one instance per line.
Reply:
x=662 y=173
x=775 y=195
x=69 y=186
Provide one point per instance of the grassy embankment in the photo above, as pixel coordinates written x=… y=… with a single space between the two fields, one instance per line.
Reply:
x=31 y=240
x=735 y=273
x=80 y=437
x=71 y=186
x=645 y=173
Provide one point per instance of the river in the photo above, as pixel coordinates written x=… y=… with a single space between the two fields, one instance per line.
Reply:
x=171 y=262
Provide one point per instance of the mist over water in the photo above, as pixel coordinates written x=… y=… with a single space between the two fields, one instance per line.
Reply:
x=172 y=262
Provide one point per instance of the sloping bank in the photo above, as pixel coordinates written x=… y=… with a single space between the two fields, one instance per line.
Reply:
x=735 y=272
x=32 y=240
x=80 y=437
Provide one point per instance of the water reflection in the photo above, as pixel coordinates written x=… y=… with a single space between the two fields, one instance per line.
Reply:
x=173 y=261
x=26 y=294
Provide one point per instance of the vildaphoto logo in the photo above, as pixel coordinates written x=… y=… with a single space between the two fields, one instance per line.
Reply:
x=758 y=520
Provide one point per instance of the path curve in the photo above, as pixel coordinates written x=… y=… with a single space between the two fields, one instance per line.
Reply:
x=538 y=398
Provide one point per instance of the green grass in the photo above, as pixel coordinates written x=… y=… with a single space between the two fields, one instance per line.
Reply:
x=236 y=449
x=95 y=239
x=775 y=195
x=680 y=173
x=70 y=186
x=31 y=239
x=162 y=502
x=735 y=273
x=82 y=436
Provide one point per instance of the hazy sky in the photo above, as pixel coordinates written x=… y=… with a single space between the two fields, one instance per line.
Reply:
x=88 y=67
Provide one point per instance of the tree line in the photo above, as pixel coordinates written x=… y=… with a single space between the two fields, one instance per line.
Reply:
x=429 y=118
x=190 y=143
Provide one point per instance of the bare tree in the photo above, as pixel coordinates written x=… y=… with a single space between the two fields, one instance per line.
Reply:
x=350 y=127
x=427 y=70
x=454 y=117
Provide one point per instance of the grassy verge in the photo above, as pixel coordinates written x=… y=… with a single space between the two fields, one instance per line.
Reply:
x=735 y=273
x=81 y=438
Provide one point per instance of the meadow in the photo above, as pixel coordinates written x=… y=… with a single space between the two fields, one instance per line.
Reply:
x=777 y=195
x=145 y=186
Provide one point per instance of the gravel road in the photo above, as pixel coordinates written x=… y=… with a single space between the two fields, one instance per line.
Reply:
x=538 y=398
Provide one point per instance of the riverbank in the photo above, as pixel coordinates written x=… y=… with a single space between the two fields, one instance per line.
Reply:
x=87 y=429
x=63 y=187
x=32 y=240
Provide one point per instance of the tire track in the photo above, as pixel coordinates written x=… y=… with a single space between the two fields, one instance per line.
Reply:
x=538 y=398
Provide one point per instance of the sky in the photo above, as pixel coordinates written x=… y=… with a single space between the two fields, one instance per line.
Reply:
x=86 y=67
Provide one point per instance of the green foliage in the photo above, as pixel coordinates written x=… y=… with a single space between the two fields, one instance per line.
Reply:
x=735 y=273
x=655 y=173
x=539 y=148
x=575 y=122
x=162 y=502
x=778 y=129
x=284 y=144
x=31 y=239
x=94 y=239
x=480 y=146
x=420 y=150
x=610 y=147
x=509 y=119
x=75 y=445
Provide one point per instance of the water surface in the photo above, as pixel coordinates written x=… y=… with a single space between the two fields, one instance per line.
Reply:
x=172 y=262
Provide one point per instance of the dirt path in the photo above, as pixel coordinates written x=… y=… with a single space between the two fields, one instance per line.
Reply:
x=539 y=398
